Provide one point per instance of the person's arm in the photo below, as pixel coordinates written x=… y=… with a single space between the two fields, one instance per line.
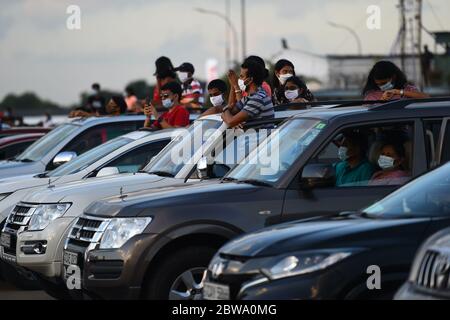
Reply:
x=404 y=93
x=149 y=110
x=234 y=120
x=212 y=110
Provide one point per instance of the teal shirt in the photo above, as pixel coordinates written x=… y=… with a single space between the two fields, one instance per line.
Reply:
x=358 y=176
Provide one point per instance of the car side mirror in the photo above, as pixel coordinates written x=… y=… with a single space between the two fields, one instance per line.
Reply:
x=203 y=168
x=63 y=157
x=317 y=176
x=107 y=171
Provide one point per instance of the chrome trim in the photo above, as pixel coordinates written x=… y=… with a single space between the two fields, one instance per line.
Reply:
x=252 y=284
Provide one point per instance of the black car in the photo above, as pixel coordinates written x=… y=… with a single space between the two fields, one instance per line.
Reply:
x=289 y=177
x=359 y=255
x=430 y=274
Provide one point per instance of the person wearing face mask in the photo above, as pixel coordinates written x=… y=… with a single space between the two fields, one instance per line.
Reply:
x=164 y=74
x=391 y=161
x=192 y=89
x=296 y=91
x=387 y=82
x=217 y=90
x=256 y=105
x=176 y=115
x=283 y=70
x=354 y=169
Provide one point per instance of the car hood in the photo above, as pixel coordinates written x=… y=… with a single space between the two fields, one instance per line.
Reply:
x=100 y=187
x=13 y=184
x=327 y=233
x=161 y=198
x=6 y=167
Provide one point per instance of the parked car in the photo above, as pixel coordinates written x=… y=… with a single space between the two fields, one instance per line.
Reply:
x=6 y=132
x=161 y=172
x=177 y=230
x=125 y=154
x=11 y=146
x=67 y=141
x=331 y=258
x=430 y=273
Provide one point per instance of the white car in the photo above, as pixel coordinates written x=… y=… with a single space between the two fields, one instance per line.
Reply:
x=67 y=141
x=125 y=154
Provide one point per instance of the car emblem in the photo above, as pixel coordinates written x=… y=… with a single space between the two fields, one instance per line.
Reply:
x=442 y=272
x=217 y=269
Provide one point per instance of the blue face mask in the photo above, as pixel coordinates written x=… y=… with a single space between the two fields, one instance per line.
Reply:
x=167 y=103
x=342 y=153
x=386 y=87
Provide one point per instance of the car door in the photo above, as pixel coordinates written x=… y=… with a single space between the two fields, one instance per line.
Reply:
x=303 y=202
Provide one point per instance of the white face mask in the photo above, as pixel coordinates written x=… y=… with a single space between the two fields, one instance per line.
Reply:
x=167 y=103
x=291 y=94
x=385 y=162
x=387 y=86
x=184 y=76
x=216 y=100
x=242 y=85
x=284 y=77
x=342 y=153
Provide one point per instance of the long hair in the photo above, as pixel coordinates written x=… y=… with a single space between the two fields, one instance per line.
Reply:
x=384 y=70
x=306 y=93
x=278 y=66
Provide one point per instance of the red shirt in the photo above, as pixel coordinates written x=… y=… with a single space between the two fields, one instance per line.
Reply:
x=177 y=117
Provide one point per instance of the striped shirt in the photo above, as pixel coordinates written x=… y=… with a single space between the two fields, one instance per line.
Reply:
x=257 y=105
x=191 y=91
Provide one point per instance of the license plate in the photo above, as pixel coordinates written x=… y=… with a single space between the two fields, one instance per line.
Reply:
x=70 y=258
x=212 y=291
x=5 y=240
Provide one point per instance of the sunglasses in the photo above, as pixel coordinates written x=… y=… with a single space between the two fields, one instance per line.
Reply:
x=165 y=96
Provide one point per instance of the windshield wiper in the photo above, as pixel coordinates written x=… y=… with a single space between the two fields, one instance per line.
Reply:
x=256 y=183
x=229 y=179
x=22 y=160
x=161 y=173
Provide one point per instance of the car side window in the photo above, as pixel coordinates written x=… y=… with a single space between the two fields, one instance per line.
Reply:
x=138 y=158
x=376 y=155
x=432 y=131
x=97 y=135
x=13 y=150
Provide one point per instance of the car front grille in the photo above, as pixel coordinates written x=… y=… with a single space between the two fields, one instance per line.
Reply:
x=19 y=218
x=434 y=271
x=87 y=231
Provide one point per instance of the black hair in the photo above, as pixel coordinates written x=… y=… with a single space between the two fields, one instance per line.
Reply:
x=278 y=66
x=166 y=74
x=96 y=86
x=359 y=139
x=254 y=71
x=218 y=84
x=384 y=70
x=306 y=94
x=173 y=87
x=120 y=101
x=129 y=91
x=259 y=61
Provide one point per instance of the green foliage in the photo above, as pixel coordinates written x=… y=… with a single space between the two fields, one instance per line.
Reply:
x=30 y=104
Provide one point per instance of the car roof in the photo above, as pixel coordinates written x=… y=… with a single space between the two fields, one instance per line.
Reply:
x=20 y=137
x=100 y=120
x=395 y=109
x=153 y=135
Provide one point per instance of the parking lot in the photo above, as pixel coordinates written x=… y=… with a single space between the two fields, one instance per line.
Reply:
x=8 y=292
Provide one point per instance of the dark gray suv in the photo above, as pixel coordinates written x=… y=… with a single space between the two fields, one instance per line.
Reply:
x=290 y=176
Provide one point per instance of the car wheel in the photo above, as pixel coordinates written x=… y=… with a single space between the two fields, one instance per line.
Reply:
x=179 y=275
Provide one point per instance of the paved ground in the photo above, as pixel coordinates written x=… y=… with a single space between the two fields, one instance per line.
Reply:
x=8 y=292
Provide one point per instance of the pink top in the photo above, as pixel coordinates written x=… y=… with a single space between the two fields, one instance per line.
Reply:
x=377 y=94
x=383 y=178
x=266 y=87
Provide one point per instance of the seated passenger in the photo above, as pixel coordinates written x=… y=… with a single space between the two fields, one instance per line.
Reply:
x=391 y=162
x=217 y=90
x=354 y=168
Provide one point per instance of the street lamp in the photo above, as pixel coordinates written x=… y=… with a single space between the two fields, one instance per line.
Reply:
x=228 y=22
x=355 y=35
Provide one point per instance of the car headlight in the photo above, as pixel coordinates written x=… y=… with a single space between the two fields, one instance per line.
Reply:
x=4 y=195
x=298 y=264
x=120 y=230
x=44 y=214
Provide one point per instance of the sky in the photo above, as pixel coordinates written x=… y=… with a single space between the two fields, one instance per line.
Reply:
x=120 y=39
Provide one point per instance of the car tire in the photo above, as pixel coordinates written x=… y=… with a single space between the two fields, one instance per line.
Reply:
x=169 y=270
x=20 y=280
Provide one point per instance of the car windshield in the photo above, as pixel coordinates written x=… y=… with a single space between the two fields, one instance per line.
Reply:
x=90 y=157
x=181 y=149
x=47 y=143
x=278 y=152
x=427 y=196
